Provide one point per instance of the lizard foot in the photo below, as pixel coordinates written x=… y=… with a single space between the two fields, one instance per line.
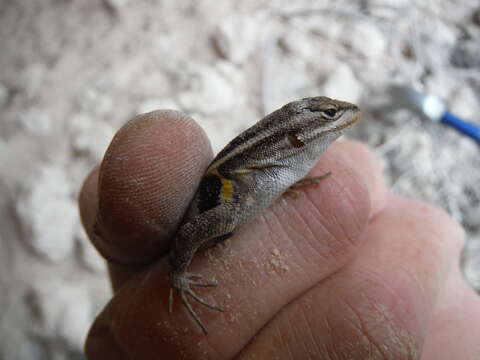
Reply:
x=181 y=283
x=314 y=180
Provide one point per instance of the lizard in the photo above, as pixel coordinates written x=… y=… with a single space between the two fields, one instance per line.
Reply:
x=263 y=162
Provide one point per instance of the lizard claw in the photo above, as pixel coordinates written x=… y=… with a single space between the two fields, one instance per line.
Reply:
x=181 y=284
x=197 y=283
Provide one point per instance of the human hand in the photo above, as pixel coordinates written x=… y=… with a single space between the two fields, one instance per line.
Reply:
x=346 y=271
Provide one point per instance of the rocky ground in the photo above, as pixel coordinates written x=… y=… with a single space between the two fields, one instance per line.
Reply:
x=73 y=71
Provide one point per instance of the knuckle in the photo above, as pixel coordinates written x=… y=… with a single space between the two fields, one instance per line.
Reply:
x=374 y=332
x=437 y=221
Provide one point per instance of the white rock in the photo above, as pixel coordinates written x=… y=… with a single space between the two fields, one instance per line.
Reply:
x=90 y=137
x=47 y=213
x=210 y=92
x=237 y=37
x=31 y=350
x=4 y=94
x=366 y=38
x=395 y=4
x=341 y=84
x=116 y=5
x=151 y=104
x=324 y=27
x=441 y=84
x=31 y=79
x=217 y=130
x=283 y=87
x=464 y=102
x=37 y=121
x=88 y=254
x=472 y=218
x=18 y=154
x=97 y=102
x=446 y=34
x=298 y=43
x=63 y=311
x=74 y=321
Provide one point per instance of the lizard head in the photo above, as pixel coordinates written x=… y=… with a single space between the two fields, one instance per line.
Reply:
x=316 y=117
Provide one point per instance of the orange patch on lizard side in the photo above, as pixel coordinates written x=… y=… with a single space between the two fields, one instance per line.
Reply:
x=226 y=192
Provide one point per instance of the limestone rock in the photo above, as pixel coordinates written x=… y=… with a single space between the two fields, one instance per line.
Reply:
x=47 y=213
x=151 y=104
x=365 y=38
x=210 y=91
x=89 y=256
x=90 y=137
x=342 y=84
x=36 y=121
x=4 y=95
x=236 y=38
x=62 y=311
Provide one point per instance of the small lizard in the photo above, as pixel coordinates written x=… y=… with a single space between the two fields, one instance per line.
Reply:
x=255 y=168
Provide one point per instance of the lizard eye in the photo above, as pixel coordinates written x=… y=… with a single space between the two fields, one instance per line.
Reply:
x=330 y=112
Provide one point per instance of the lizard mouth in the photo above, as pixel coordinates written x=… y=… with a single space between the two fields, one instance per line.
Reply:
x=348 y=123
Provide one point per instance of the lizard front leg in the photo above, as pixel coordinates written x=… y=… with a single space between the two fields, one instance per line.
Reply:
x=206 y=227
x=313 y=180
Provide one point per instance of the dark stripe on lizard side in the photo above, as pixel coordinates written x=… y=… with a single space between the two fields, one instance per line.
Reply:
x=269 y=124
x=274 y=142
x=209 y=192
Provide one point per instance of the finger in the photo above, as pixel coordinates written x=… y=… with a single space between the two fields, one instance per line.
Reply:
x=293 y=245
x=453 y=331
x=379 y=305
x=88 y=203
x=145 y=182
x=360 y=163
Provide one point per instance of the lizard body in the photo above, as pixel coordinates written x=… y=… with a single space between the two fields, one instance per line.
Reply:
x=253 y=170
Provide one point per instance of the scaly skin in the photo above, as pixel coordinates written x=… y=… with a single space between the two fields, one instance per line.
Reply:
x=253 y=170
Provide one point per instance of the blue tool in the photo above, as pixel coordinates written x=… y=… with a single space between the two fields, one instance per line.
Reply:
x=432 y=108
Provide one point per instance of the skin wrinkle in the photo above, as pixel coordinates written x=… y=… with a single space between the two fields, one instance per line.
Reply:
x=276 y=314
x=363 y=329
x=291 y=239
x=299 y=341
x=121 y=318
x=248 y=299
x=260 y=329
x=353 y=201
x=413 y=276
x=420 y=288
x=292 y=243
x=289 y=326
x=377 y=280
x=272 y=217
x=339 y=195
x=251 y=279
x=310 y=331
x=338 y=221
x=320 y=219
x=330 y=331
x=378 y=197
x=271 y=228
x=211 y=348
x=305 y=224
x=310 y=243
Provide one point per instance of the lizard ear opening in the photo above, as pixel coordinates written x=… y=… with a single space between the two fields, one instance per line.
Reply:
x=295 y=141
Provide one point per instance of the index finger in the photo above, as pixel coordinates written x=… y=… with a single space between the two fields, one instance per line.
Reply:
x=132 y=204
